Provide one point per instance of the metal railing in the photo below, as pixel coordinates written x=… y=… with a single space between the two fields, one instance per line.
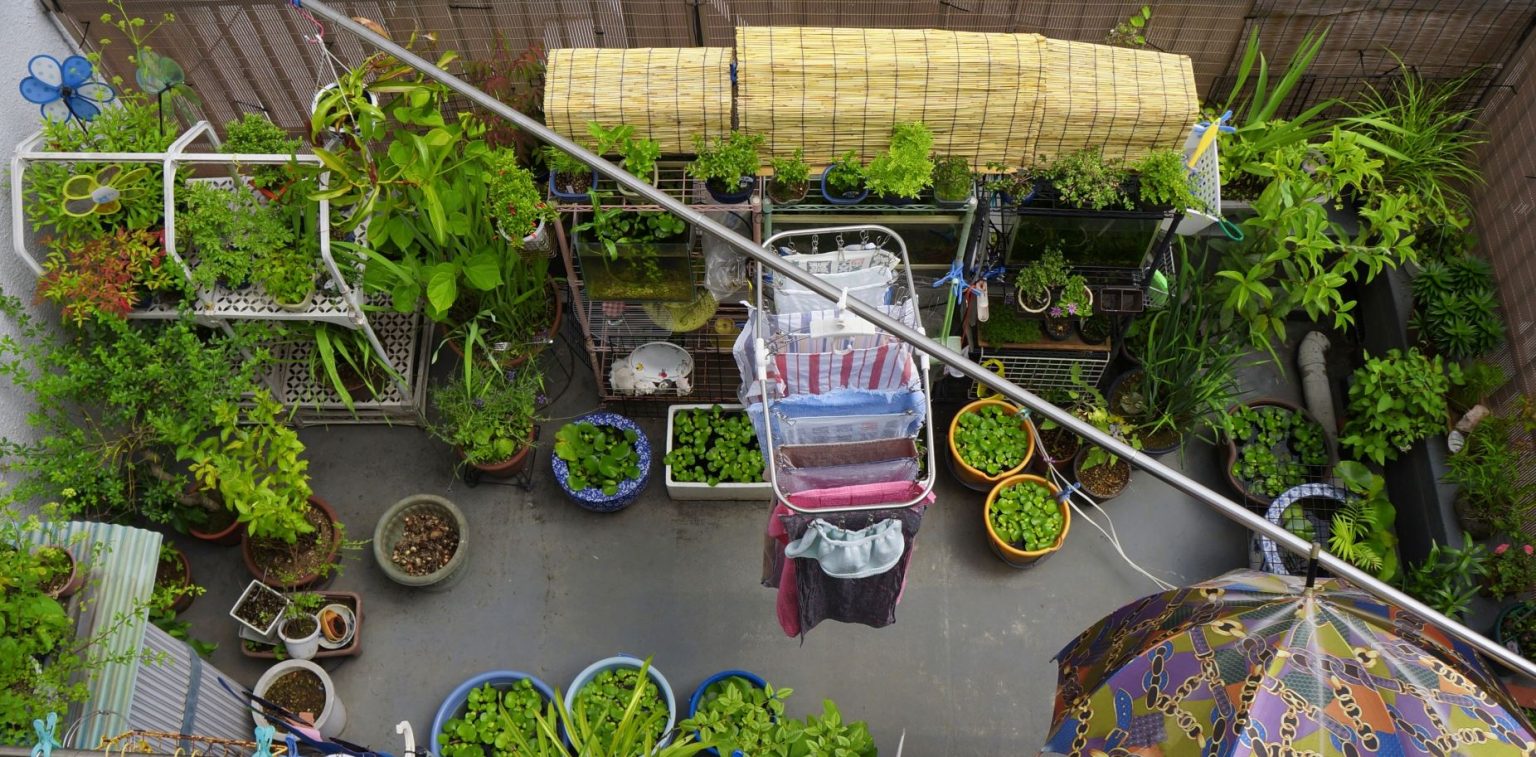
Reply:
x=1226 y=507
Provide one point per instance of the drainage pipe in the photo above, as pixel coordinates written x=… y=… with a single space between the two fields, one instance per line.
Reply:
x=1311 y=358
x=930 y=348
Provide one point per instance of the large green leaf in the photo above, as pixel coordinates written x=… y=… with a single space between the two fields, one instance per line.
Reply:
x=443 y=287
x=483 y=271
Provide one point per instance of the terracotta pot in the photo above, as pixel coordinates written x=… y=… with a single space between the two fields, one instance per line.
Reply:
x=183 y=600
x=301 y=581
x=504 y=469
x=76 y=577
x=972 y=477
x=1255 y=501
x=228 y=536
x=1021 y=558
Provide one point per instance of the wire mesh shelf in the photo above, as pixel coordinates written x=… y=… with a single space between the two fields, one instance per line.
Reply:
x=1040 y=370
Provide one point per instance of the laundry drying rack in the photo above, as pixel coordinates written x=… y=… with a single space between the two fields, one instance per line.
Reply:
x=838 y=402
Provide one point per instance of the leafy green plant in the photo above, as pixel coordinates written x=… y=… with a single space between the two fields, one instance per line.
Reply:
x=1025 y=515
x=1037 y=278
x=992 y=440
x=233 y=234
x=1511 y=570
x=493 y=721
x=1362 y=529
x=827 y=734
x=563 y=732
x=106 y=277
x=1165 y=180
x=1482 y=467
x=724 y=163
x=790 y=176
x=517 y=79
x=1278 y=448
x=952 y=179
x=486 y=414
x=288 y=275
x=905 y=168
x=1007 y=326
x=255 y=134
x=609 y=140
x=253 y=465
x=1456 y=307
x=516 y=203
x=737 y=716
x=1448 y=578
x=1479 y=379
x=1083 y=179
x=600 y=457
x=846 y=174
x=1395 y=401
x=713 y=446
x=1132 y=32
x=618 y=695
x=1075 y=300
x=1015 y=183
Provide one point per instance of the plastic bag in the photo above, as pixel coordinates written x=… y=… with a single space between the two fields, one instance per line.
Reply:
x=725 y=269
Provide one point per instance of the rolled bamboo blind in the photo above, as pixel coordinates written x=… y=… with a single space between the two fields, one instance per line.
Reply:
x=668 y=94
x=1127 y=102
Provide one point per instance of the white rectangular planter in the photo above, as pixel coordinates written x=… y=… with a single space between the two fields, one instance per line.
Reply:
x=255 y=586
x=692 y=490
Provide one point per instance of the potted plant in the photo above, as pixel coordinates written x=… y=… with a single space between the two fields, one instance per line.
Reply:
x=1515 y=628
x=488 y=416
x=306 y=690
x=1102 y=474
x=1010 y=187
x=341 y=630
x=1095 y=329
x=288 y=276
x=1489 y=500
x=1272 y=445
x=988 y=442
x=422 y=541
x=1007 y=327
x=842 y=183
x=1394 y=401
x=300 y=559
x=1082 y=179
x=1163 y=181
x=569 y=179
x=952 y=182
x=173 y=578
x=1449 y=578
x=259 y=608
x=602 y=461
x=637 y=156
x=342 y=110
x=1074 y=301
x=901 y=173
x=635 y=255
x=1456 y=308
x=1025 y=521
x=343 y=365
x=107 y=276
x=59 y=574
x=493 y=710
x=736 y=711
x=616 y=690
x=1511 y=571
x=713 y=453
x=231 y=233
x=729 y=167
x=519 y=211
x=300 y=626
x=255 y=134
x=1034 y=283
x=41 y=661
x=791 y=177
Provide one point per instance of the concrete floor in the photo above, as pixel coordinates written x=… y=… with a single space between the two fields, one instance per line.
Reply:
x=966 y=669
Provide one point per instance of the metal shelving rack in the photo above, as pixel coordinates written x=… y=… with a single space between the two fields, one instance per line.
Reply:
x=337 y=300
x=613 y=328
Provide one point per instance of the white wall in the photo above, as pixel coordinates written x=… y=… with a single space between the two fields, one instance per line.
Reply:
x=28 y=32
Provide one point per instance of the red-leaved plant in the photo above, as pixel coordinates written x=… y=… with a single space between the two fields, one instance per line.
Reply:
x=105 y=276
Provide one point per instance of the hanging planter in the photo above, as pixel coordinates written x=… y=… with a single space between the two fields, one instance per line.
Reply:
x=1010 y=517
x=602 y=461
x=343 y=124
x=422 y=542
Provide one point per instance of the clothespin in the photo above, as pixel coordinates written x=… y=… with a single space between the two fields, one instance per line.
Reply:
x=46 y=740
x=1066 y=491
x=955 y=279
x=264 y=735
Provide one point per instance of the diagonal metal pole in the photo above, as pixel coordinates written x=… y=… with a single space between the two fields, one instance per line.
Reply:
x=1226 y=507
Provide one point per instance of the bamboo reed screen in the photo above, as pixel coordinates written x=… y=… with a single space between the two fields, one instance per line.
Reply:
x=668 y=94
x=833 y=90
x=988 y=97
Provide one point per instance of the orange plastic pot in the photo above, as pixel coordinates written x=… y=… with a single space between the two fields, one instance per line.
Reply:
x=972 y=477
x=1023 y=558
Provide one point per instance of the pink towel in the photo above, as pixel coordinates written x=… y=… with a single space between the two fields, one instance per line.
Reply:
x=788 y=605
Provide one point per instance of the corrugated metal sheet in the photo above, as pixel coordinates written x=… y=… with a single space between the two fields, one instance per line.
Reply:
x=120 y=577
x=183 y=695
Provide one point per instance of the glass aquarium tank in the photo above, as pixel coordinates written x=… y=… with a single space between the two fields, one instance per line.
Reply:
x=637 y=270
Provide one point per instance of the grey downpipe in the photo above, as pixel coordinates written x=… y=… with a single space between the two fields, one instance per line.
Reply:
x=1231 y=510
x=1312 y=359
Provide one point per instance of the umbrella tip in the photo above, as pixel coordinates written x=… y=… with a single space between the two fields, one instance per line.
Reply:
x=1317 y=550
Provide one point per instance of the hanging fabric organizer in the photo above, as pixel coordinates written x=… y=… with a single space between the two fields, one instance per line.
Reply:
x=841 y=412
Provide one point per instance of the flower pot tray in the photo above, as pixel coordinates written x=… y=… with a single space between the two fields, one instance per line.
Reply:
x=267 y=648
x=722 y=492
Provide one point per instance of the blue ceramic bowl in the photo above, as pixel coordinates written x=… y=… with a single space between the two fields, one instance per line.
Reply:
x=593 y=498
x=837 y=199
x=454 y=704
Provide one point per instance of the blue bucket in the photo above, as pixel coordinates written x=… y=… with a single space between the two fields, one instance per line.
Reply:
x=626 y=661
x=454 y=704
x=698 y=694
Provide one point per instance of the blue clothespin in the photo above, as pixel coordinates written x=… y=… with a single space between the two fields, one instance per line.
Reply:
x=46 y=740
x=990 y=274
x=264 y=735
x=1221 y=125
x=1067 y=491
x=955 y=279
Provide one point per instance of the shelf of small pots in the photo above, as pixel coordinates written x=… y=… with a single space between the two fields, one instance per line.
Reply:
x=1101 y=475
x=728 y=166
x=602 y=461
x=601 y=693
x=1026 y=522
x=64 y=576
x=713 y=454
x=302 y=561
x=989 y=441
x=729 y=706
x=842 y=182
x=422 y=542
x=303 y=688
x=488 y=712
x=791 y=177
x=1515 y=628
x=1274 y=445
x=341 y=629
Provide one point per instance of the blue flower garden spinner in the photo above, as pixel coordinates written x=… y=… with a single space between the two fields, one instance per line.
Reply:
x=65 y=91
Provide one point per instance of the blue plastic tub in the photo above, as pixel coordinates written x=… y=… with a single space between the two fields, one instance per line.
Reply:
x=570 y=196
x=453 y=704
x=698 y=693
x=626 y=661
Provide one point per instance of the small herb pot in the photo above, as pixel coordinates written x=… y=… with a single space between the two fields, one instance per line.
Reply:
x=592 y=498
x=1033 y=306
x=977 y=479
x=1021 y=558
x=632 y=194
x=251 y=591
x=1100 y=493
x=627 y=661
x=456 y=703
x=740 y=193
x=558 y=194
x=1058 y=329
x=300 y=646
x=698 y=695
x=849 y=198
x=953 y=203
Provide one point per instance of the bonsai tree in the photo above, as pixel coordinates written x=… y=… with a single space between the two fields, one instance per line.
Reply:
x=904 y=169
x=517 y=205
x=790 y=176
x=725 y=165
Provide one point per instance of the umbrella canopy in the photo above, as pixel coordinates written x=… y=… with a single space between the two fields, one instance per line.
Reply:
x=1253 y=663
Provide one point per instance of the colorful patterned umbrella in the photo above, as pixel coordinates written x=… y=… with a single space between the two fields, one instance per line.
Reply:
x=1253 y=663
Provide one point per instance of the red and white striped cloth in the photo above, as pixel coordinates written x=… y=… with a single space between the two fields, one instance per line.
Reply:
x=801 y=364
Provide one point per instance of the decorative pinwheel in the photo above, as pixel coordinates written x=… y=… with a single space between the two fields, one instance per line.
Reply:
x=65 y=90
x=102 y=192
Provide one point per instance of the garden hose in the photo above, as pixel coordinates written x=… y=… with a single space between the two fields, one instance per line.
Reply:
x=1232 y=230
x=994 y=365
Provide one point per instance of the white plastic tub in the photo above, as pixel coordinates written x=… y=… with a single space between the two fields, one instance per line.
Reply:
x=694 y=490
